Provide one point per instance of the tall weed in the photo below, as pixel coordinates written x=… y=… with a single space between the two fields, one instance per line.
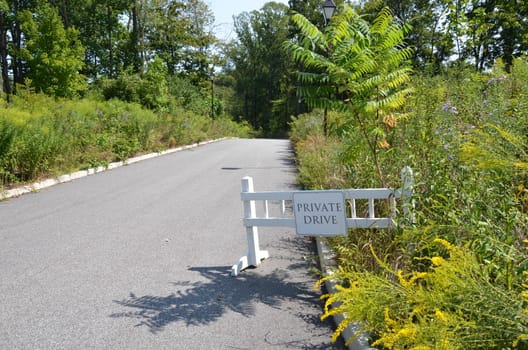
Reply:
x=465 y=138
x=318 y=156
x=451 y=305
x=41 y=136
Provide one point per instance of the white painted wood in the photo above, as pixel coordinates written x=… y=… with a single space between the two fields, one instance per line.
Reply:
x=254 y=254
x=254 y=218
x=372 y=213
x=263 y=196
x=355 y=223
x=408 y=202
x=366 y=193
x=270 y=222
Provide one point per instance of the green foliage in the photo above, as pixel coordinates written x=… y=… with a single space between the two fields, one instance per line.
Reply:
x=465 y=138
x=188 y=96
x=261 y=69
x=492 y=147
x=358 y=68
x=476 y=31
x=41 y=136
x=451 y=305
x=8 y=132
x=156 y=91
x=51 y=43
x=54 y=53
x=150 y=89
x=318 y=165
x=306 y=125
x=126 y=87
x=318 y=157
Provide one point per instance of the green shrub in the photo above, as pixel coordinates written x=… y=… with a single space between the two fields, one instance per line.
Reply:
x=127 y=87
x=187 y=96
x=318 y=161
x=465 y=138
x=451 y=305
x=41 y=136
x=306 y=125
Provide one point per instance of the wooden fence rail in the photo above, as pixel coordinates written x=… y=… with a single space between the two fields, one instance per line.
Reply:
x=363 y=208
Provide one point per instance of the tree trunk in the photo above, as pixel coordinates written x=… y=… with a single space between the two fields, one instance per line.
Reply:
x=110 y=43
x=18 y=66
x=137 y=38
x=63 y=11
x=6 y=84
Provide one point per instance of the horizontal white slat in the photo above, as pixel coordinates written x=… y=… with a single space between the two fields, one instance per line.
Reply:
x=364 y=193
x=266 y=196
x=270 y=222
x=368 y=193
x=401 y=192
x=369 y=222
x=290 y=222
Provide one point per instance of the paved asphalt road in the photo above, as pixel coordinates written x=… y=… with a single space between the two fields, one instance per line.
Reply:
x=139 y=258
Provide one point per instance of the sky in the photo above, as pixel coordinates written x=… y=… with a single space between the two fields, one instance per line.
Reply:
x=225 y=9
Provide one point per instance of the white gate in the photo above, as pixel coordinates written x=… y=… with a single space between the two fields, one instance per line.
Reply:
x=276 y=209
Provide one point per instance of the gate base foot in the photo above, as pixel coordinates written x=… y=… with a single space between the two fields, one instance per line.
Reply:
x=243 y=262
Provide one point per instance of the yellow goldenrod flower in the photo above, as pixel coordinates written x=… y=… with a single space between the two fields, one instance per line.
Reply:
x=437 y=260
x=441 y=316
x=417 y=276
x=390 y=322
x=408 y=283
x=445 y=243
x=407 y=332
x=519 y=338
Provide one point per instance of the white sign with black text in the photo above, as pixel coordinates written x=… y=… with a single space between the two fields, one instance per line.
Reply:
x=319 y=213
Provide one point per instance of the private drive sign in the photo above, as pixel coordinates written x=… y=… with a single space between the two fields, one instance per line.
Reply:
x=319 y=213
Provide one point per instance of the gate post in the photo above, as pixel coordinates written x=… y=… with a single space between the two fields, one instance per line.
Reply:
x=254 y=254
x=407 y=177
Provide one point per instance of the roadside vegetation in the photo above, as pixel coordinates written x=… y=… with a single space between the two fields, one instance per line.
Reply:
x=456 y=279
x=440 y=86
x=41 y=136
x=81 y=91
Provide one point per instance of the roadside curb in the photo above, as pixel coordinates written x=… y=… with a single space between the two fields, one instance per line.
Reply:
x=326 y=262
x=36 y=186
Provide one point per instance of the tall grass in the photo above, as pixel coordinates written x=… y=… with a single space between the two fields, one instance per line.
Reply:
x=41 y=136
x=466 y=139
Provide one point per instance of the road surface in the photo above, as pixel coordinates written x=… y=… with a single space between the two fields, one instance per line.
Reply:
x=139 y=258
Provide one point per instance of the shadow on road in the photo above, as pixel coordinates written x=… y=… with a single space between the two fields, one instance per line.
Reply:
x=201 y=303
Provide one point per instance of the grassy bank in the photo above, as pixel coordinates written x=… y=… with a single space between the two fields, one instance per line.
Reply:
x=42 y=136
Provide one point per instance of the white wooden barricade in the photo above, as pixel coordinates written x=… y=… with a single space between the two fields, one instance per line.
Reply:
x=276 y=211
